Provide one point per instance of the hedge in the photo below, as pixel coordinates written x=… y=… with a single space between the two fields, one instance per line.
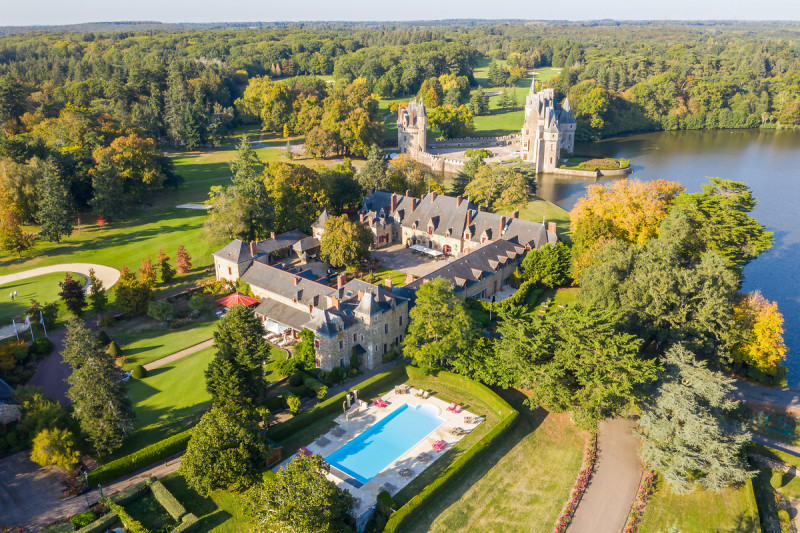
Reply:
x=139 y=459
x=189 y=523
x=175 y=509
x=101 y=525
x=333 y=406
x=274 y=403
x=131 y=493
x=402 y=518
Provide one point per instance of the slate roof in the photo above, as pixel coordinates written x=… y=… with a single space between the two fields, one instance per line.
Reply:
x=5 y=391
x=239 y=251
x=277 y=281
x=283 y=313
x=320 y=222
x=473 y=267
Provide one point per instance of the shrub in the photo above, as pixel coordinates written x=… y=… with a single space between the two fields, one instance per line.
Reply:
x=776 y=480
x=313 y=384
x=139 y=372
x=106 y=321
x=301 y=391
x=385 y=500
x=83 y=519
x=336 y=375
x=322 y=393
x=41 y=346
x=101 y=525
x=296 y=379
x=131 y=524
x=274 y=403
x=189 y=523
x=131 y=493
x=55 y=447
x=105 y=340
x=294 y=404
x=113 y=350
x=141 y=458
x=175 y=509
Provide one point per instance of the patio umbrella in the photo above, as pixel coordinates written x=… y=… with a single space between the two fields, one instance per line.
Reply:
x=237 y=298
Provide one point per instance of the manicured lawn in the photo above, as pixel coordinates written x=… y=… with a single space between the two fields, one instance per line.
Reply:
x=150 y=513
x=380 y=274
x=221 y=512
x=150 y=342
x=521 y=485
x=213 y=164
x=732 y=509
x=42 y=288
x=538 y=208
x=168 y=399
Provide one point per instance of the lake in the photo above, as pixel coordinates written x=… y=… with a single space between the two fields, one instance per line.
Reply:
x=768 y=161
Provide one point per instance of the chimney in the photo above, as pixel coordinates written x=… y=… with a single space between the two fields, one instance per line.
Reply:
x=409 y=278
x=297 y=280
x=433 y=195
x=371 y=221
x=253 y=250
x=361 y=218
x=502 y=226
x=335 y=303
x=272 y=234
x=340 y=281
x=515 y=214
x=408 y=193
x=394 y=203
x=469 y=217
x=551 y=228
x=413 y=204
x=388 y=283
x=458 y=201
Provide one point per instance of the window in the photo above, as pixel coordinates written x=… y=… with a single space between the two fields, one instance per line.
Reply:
x=466 y=236
x=384 y=348
x=230 y=272
x=430 y=230
x=401 y=320
x=354 y=337
x=316 y=344
x=341 y=345
x=386 y=328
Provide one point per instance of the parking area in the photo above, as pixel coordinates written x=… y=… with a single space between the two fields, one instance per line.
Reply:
x=398 y=257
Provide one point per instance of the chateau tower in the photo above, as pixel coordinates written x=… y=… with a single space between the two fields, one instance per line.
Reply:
x=411 y=125
x=546 y=130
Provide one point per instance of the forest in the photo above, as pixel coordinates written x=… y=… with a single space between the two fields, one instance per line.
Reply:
x=83 y=114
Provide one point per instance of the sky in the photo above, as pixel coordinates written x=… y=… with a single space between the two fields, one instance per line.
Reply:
x=52 y=12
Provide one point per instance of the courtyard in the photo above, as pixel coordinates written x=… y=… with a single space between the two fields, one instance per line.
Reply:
x=408 y=261
x=499 y=153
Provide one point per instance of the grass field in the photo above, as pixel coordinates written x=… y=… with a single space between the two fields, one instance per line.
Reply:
x=150 y=513
x=538 y=208
x=701 y=511
x=521 y=485
x=167 y=399
x=150 y=342
x=381 y=274
x=42 y=288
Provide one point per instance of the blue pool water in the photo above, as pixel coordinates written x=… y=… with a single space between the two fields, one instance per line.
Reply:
x=377 y=447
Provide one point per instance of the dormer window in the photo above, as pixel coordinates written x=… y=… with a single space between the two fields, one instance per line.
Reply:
x=466 y=236
x=430 y=230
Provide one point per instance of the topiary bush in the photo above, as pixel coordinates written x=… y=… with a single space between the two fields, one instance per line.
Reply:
x=83 y=519
x=41 y=346
x=294 y=404
x=189 y=523
x=101 y=525
x=336 y=375
x=113 y=350
x=783 y=516
x=106 y=321
x=105 y=340
x=295 y=380
x=139 y=372
x=274 y=403
x=175 y=509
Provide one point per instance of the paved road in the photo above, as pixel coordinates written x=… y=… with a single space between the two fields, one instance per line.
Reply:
x=784 y=398
x=29 y=494
x=607 y=501
x=52 y=372
x=178 y=355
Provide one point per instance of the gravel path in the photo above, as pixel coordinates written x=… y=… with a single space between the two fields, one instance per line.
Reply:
x=782 y=398
x=605 y=505
x=109 y=276
x=178 y=355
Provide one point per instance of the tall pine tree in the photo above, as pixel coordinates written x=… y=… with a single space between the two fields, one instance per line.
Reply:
x=55 y=209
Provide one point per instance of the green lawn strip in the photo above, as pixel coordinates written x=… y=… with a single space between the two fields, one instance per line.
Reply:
x=42 y=288
x=221 y=512
x=150 y=513
x=733 y=509
x=168 y=400
x=379 y=275
x=142 y=345
x=538 y=208
x=520 y=485
x=789 y=483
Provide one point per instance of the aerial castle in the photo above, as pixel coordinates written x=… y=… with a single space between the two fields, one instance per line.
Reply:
x=548 y=129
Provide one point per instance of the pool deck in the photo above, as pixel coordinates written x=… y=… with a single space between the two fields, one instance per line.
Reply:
x=389 y=478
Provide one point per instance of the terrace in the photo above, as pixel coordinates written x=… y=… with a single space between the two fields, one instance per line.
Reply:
x=450 y=428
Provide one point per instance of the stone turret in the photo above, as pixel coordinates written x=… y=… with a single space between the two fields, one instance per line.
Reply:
x=547 y=129
x=412 y=122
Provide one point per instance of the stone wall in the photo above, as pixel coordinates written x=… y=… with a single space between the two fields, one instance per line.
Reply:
x=229 y=270
x=475 y=142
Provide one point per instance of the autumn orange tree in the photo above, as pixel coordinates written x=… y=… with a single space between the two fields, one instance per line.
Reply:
x=627 y=210
x=762 y=323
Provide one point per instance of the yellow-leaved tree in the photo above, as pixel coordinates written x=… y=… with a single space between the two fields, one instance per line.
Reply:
x=627 y=210
x=762 y=322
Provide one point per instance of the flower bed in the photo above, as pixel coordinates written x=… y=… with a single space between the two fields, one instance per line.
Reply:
x=581 y=482
x=640 y=502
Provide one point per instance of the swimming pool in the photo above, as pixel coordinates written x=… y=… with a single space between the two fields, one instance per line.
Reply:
x=378 y=446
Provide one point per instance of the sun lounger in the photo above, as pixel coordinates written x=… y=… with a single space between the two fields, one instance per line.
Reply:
x=439 y=445
x=451 y=407
x=425 y=395
x=459 y=432
x=304 y=451
x=457 y=409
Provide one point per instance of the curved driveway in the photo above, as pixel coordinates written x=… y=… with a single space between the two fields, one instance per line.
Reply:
x=109 y=276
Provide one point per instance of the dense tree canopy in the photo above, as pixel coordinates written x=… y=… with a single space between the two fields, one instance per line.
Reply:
x=345 y=243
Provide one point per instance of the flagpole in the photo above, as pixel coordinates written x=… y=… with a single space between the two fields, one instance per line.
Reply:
x=41 y=319
x=14 y=323
x=30 y=326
